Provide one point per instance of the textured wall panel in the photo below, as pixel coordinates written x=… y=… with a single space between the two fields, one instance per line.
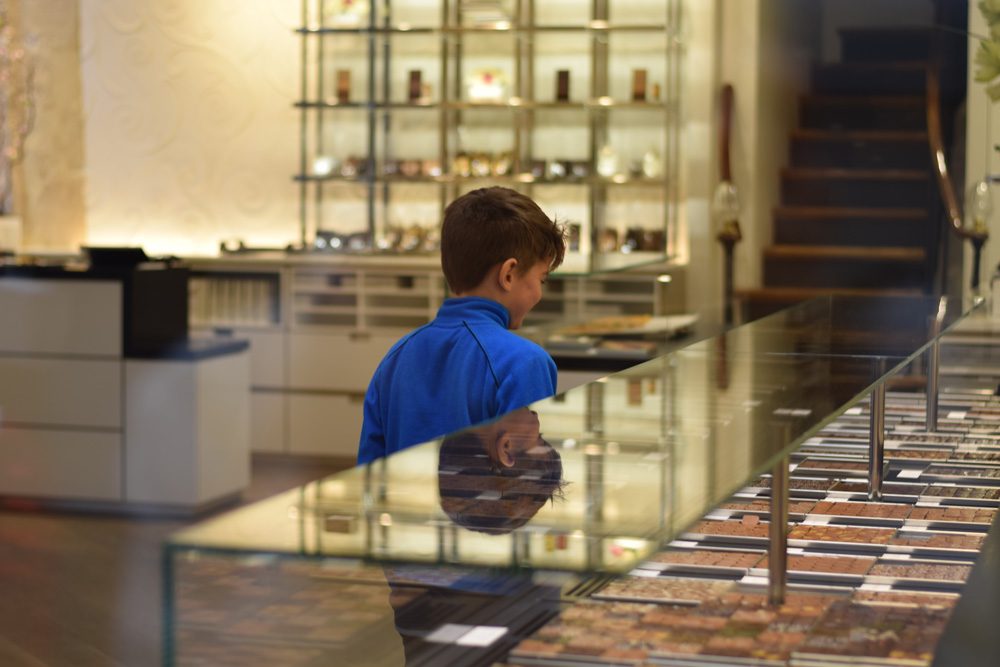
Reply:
x=191 y=136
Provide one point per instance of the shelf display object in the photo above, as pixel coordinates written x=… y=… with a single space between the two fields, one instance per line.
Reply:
x=407 y=105
x=646 y=500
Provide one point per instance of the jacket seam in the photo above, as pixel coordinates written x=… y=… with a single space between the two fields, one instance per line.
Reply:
x=489 y=362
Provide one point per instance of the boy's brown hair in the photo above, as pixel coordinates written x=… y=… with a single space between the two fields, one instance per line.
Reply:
x=487 y=226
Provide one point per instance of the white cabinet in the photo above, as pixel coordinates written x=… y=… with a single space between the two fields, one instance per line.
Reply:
x=61 y=393
x=61 y=389
x=69 y=465
x=42 y=316
x=187 y=429
x=325 y=424
x=83 y=423
x=336 y=361
x=268 y=420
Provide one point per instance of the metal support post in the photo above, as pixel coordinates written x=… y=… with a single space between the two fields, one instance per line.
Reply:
x=932 y=365
x=778 y=546
x=932 y=386
x=876 y=443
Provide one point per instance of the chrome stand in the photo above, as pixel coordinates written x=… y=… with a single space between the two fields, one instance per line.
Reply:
x=876 y=440
x=778 y=547
x=932 y=366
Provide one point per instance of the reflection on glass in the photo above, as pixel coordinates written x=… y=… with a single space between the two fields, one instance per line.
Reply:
x=627 y=464
x=494 y=478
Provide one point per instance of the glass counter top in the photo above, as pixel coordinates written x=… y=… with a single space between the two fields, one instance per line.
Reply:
x=604 y=475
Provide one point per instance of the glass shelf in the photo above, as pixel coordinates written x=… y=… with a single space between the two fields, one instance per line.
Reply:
x=511 y=105
x=641 y=454
x=498 y=28
x=600 y=478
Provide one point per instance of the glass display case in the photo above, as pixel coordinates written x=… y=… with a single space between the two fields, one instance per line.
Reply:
x=591 y=483
x=407 y=105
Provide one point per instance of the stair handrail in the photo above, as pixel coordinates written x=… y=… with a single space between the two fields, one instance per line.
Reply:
x=952 y=208
x=977 y=235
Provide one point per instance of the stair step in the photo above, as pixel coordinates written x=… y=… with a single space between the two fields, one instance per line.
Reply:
x=869 y=78
x=841 y=252
x=850 y=226
x=848 y=188
x=910 y=213
x=863 y=112
x=762 y=301
x=859 y=148
x=885 y=44
x=855 y=267
x=799 y=294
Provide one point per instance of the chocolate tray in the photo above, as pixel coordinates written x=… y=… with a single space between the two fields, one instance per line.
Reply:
x=936 y=516
x=971 y=496
x=837 y=466
x=854 y=633
x=686 y=569
x=723 y=514
x=674 y=660
x=799 y=486
x=711 y=541
x=812 y=578
x=954 y=440
x=664 y=589
x=897 y=492
x=846 y=512
x=908 y=585
x=822 y=660
x=959 y=473
x=827 y=537
x=931 y=544
x=832 y=546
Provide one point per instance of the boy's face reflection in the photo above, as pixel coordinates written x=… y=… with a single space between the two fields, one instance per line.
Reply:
x=495 y=478
x=516 y=434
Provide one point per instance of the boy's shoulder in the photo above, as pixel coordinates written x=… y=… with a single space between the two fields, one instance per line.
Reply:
x=505 y=340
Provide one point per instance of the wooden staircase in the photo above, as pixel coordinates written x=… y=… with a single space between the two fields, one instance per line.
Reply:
x=858 y=199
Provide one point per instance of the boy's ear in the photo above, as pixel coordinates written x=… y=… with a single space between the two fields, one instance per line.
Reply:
x=506 y=451
x=506 y=274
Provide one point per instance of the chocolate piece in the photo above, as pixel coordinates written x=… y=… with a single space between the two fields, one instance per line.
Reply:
x=639 y=85
x=416 y=90
x=343 y=86
x=562 y=85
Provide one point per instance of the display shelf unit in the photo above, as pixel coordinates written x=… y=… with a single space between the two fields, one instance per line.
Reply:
x=407 y=105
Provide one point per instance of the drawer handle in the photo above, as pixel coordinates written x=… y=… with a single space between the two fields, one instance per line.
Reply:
x=360 y=336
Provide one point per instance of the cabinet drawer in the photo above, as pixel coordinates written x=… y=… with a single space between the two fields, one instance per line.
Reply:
x=60 y=464
x=338 y=362
x=267 y=422
x=61 y=392
x=60 y=316
x=267 y=353
x=325 y=425
x=267 y=358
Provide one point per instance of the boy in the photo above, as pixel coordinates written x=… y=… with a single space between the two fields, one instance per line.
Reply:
x=497 y=247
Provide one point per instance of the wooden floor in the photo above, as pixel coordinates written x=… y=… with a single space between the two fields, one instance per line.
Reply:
x=83 y=590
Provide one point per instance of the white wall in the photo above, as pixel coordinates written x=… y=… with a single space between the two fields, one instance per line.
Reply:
x=190 y=132
x=765 y=49
x=982 y=132
x=49 y=187
x=699 y=153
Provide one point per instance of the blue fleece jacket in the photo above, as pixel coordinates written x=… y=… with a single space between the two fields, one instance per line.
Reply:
x=463 y=368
